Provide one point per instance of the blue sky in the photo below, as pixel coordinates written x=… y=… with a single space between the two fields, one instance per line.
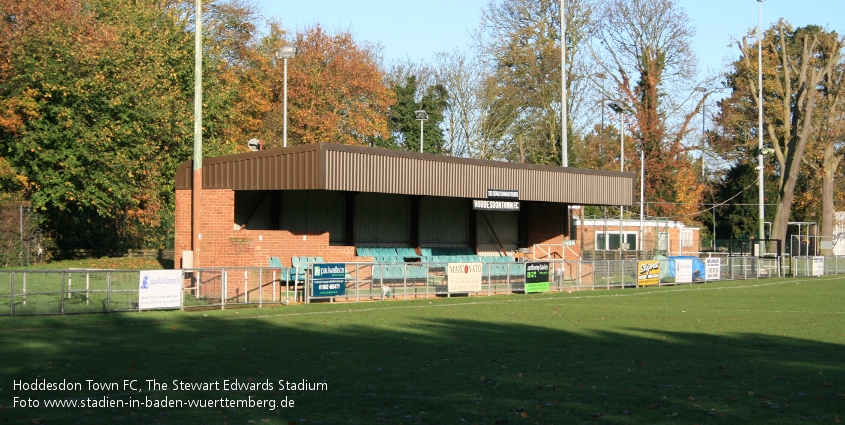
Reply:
x=417 y=30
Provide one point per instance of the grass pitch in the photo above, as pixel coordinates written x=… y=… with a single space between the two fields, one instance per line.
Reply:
x=757 y=351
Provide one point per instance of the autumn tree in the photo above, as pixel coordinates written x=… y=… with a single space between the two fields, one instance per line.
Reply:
x=520 y=40
x=643 y=49
x=336 y=91
x=239 y=90
x=831 y=139
x=96 y=93
x=798 y=82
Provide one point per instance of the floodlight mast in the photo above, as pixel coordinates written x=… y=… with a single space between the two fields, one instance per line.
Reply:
x=285 y=53
x=620 y=108
x=196 y=182
x=421 y=116
x=760 y=174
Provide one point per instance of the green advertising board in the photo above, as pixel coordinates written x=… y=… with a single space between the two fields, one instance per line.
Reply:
x=329 y=280
x=536 y=277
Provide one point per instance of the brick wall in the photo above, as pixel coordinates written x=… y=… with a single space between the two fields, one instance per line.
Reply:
x=545 y=223
x=650 y=237
x=221 y=245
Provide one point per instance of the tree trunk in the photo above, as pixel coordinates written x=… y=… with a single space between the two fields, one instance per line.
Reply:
x=829 y=165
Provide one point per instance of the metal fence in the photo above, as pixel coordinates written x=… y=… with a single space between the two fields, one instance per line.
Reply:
x=24 y=292
x=32 y=292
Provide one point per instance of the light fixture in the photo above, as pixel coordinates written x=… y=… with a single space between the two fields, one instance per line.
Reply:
x=421 y=116
x=286 y=52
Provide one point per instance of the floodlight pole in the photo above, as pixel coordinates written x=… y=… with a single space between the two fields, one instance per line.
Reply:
x=641 y=240
x=285 y=107
x=760 y=175
x=421 y=135
x=622 y=237
x=286 y=52
x=420 y=115
x=196 y=183
x=620 y=109
x=564 y=148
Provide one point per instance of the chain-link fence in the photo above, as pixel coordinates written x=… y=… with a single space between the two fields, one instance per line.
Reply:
x=802 y=266
x=813 y=245
x=30 y=292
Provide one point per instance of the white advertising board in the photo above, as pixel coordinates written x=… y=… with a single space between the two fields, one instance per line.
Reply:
x=818 y=266
x=683 y=271
x=159 y=289
x=463 y=277
x=712 y=267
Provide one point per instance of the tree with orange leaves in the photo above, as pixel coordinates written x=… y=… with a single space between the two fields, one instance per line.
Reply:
x=336 y=92
x=647 y=54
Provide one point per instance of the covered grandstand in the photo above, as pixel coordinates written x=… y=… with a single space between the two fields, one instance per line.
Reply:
x=353 y=204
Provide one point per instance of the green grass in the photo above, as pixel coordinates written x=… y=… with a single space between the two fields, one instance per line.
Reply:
x=757 y=351
x=116 y=263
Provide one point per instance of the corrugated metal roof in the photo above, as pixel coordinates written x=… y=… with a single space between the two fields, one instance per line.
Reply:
x=360 y=169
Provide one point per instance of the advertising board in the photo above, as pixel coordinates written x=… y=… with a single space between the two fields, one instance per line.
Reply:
x=329 y=280
x=159 y=289
x=648 y=272
x=463 y=277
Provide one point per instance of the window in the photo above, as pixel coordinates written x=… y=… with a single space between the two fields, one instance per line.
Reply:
x=686 y=238
x=609 y=241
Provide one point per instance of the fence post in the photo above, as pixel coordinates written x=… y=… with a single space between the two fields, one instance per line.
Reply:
x=246 y=287
x=745 y=267
x=12 y=294
x=23 y=301
x=62 y=293
x=489 y=281
x=182 y=292
x=307 y=284
x=622 y=271
x=261 y=288
x=508 y=278
x=296 y=286
x=87 y=285
x=108 y=291
x=223 y=289
x=426 y=280
x=579 y=283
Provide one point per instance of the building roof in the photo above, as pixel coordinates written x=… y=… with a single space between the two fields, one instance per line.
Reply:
x=322 y=166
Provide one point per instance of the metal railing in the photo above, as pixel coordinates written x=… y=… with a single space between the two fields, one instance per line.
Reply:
x=32 y=292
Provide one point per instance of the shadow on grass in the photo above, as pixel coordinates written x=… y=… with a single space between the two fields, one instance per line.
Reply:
x=427 y=369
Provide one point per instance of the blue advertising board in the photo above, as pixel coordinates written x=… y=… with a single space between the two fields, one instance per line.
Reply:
x=329 y=280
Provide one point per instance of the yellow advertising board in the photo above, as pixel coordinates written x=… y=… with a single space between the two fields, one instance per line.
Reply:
x=648 y=272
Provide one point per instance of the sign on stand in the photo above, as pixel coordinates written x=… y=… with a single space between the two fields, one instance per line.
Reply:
x=328 y=280
x=536 y=277
x=463 y=277
x=818 y=266
x=159 y=289
x=713 y=268
x=648 y=273
x=683 y=271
